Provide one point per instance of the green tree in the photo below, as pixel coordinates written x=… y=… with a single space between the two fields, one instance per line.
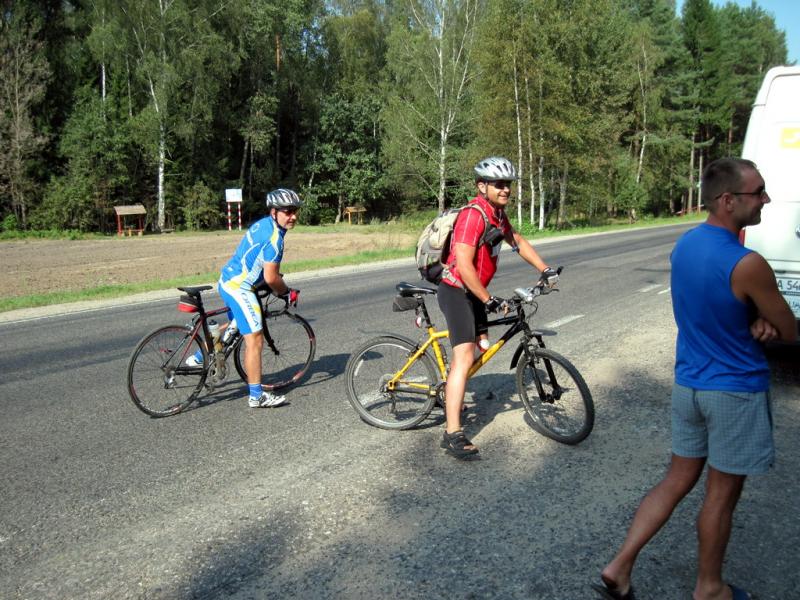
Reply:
x=355 y=45
x=701 y=36
x=746 y=32
x=96 y=145
x=178 y=63
x=344 y=153
x=505 y=63
x=662 y=106
x=347 y=165
x=586 y=102
x=276 y=92
x=23 y=77
x=200 y=207
x=430 y=71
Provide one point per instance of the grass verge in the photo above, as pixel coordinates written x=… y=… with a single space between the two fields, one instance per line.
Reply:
x=116 y=291
x=410 y=225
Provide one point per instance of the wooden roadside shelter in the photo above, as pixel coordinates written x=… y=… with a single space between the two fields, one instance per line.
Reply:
x=349 y=211
x=127 y=211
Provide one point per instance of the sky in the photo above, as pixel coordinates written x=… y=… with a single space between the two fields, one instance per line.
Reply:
x=787 y=17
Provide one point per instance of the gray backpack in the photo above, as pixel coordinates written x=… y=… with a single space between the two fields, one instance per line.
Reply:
x=433 y=246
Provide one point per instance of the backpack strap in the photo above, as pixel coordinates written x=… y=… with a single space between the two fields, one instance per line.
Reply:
x=486 y=226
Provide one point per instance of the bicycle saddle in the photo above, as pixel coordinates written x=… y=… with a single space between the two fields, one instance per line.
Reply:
x=195 y=291
x=408 y=289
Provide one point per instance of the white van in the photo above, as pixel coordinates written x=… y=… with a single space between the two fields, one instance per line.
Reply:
x=773 y=143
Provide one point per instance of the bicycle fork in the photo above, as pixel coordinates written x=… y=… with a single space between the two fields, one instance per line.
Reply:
x=533 y=358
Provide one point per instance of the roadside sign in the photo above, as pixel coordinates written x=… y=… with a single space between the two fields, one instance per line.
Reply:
x=234 y=196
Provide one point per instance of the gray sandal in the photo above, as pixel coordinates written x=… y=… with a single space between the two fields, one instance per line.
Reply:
x=456 y=444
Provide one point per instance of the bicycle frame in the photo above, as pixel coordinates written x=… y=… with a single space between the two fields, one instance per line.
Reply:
x=200 y=322
x=394 y=382
x=517 y=323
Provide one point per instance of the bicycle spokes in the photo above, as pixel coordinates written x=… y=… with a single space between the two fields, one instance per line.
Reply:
x=555 y=397
x=386 y=393
x=159 y=381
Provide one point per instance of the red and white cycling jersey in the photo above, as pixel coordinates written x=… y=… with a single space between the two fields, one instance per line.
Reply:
x=468 y=230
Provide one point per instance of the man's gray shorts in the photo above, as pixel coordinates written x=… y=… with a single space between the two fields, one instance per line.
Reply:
x=732 y=429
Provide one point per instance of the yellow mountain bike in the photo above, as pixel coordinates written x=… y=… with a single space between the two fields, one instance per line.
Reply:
x=394 y=382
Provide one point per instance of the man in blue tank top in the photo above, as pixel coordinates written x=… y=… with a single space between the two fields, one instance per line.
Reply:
x=726 y=304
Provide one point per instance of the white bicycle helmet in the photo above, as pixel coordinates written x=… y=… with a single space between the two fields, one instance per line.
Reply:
x=495 y=168
x=283 y=198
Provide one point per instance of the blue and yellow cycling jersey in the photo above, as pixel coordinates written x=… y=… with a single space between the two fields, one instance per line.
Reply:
x=263 y=243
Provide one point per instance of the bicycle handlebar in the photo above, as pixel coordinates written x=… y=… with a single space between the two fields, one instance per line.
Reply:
x=528 y=295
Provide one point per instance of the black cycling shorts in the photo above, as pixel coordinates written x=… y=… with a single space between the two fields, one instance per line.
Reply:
x=464 y=313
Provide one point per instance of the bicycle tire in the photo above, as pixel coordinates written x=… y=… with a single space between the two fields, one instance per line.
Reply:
x=287 y=353
x=367 y=371
x=159 y=382
x=565 y=414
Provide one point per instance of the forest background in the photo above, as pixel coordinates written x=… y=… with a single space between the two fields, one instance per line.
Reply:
x=609 y=108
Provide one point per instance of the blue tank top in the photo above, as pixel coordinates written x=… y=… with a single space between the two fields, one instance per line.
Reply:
x=715 y=350
x=263 y=243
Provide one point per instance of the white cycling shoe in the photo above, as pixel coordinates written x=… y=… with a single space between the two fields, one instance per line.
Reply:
x=193 y=361
x=266 y=400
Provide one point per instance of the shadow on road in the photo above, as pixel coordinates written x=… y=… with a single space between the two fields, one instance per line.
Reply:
x=784 y=361
x=534 y=519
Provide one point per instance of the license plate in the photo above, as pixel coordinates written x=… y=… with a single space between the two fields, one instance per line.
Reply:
x=790 y=288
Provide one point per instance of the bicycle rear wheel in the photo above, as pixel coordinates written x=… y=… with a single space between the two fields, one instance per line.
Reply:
x=555 y=397
x=289 y=348
x=368 y=372
x=160 y=383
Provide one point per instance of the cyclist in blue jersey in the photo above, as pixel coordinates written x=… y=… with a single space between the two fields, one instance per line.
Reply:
x=256 y=262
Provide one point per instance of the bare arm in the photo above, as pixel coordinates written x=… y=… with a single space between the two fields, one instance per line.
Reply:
x=753 y=279
x=274 y=279
x=527 y=252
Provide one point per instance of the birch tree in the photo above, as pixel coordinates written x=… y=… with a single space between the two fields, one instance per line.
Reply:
x=23 y=75
x=101 y=41
x=663 y=104
x=431 y=71
x=506 y=62
x=178 y=64
x=701 y=38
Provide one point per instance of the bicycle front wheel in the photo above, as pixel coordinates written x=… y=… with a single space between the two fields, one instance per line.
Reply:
x=289 y=348
x=401 y=405
x=555 y=397
x=160 y=383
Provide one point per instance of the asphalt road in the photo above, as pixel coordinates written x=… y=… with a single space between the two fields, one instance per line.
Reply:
x=306 y=501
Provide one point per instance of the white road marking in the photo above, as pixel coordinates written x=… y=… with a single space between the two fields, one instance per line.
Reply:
x=562 y=321
x=666 y=291
x=649 y=288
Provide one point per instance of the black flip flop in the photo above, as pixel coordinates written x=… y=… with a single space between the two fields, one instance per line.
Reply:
x=739 y=593
x=609 y=593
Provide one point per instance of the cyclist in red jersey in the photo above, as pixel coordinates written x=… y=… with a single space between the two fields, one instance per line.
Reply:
x=463 y=296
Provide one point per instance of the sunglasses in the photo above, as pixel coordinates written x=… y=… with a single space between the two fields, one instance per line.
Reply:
x=501 y=184
x=289 y=211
